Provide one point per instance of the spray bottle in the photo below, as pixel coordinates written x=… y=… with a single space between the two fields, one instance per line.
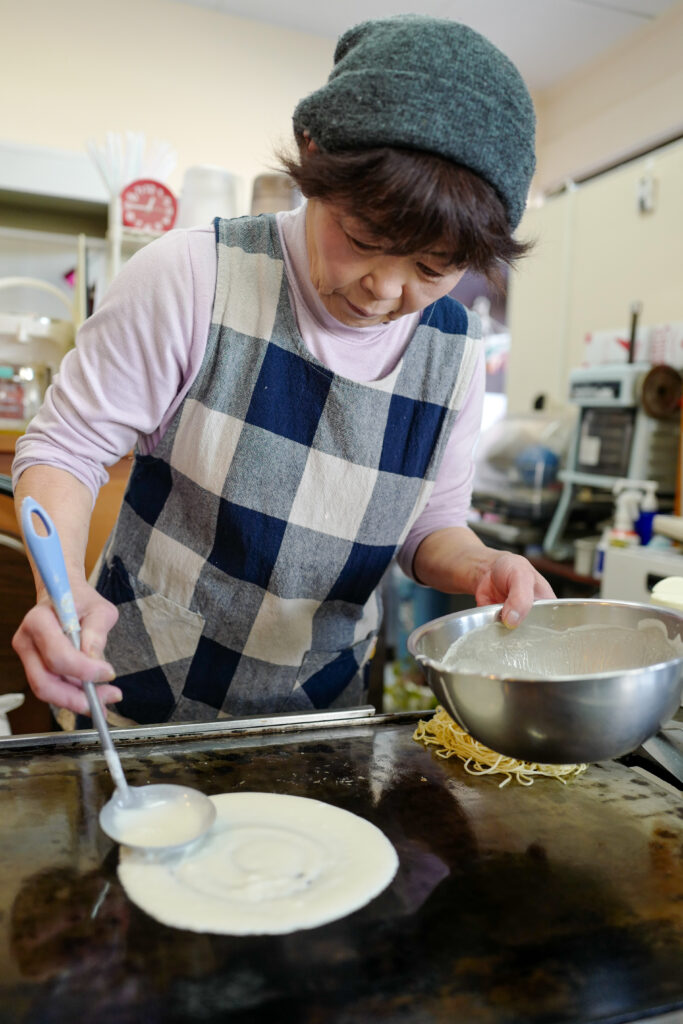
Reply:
x=635 y=507
x=621 y=532
x=627 y=509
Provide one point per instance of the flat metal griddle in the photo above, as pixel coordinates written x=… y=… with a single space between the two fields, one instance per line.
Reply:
x=548 y=904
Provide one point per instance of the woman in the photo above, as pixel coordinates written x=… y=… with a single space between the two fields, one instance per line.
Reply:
x=304 y=397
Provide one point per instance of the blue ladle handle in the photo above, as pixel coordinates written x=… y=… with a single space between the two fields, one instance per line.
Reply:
x=48 y=556
x=46 y=552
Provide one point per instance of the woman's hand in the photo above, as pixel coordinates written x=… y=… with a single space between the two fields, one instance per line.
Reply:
x=54 y=668
x=455 y=561
x=512 y=581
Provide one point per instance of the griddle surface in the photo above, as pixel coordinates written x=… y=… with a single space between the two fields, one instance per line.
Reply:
x=548 y=904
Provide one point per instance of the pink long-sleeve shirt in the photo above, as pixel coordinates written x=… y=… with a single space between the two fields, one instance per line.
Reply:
x=138 y=354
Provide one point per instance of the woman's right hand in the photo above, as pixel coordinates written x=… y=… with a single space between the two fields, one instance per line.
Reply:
x=55 y=669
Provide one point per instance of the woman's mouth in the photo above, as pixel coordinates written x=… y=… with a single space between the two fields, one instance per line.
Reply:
x=362 y=314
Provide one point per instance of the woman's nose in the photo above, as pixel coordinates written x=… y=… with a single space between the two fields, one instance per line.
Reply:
x=385 y=280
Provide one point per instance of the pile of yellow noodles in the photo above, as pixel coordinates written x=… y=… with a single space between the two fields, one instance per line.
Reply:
x=449 y=739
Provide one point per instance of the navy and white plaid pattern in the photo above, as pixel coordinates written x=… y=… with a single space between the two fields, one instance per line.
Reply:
x=247 y=555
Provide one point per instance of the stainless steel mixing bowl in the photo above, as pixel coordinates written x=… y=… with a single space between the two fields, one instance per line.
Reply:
x=564 y=719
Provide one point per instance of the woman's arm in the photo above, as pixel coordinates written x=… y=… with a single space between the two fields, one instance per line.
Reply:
x=455 y=561
x=135 y=359
x=442 y=552
x=449 y=502
x=54 y=668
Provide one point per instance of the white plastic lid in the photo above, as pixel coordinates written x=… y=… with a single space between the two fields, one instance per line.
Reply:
x=669 y=593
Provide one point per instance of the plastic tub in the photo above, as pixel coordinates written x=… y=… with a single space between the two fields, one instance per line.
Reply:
x=584 y=555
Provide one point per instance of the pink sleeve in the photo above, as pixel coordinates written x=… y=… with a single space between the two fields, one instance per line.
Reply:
x=450 y=500
x=134 y=360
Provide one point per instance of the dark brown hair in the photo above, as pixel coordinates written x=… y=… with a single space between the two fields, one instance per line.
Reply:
x=415 y=200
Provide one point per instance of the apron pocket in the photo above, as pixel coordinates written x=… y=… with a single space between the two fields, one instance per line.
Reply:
x=151 y=630
x=333 y=679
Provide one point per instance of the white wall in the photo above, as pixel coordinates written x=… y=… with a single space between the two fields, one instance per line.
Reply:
x=594 y=253
x=618 y=105
x=220 y=90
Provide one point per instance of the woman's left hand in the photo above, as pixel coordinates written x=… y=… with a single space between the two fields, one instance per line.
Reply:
x=512 y=581
x=455 y=561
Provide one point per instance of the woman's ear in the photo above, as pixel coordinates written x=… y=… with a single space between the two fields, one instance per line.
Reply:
x=311 y=146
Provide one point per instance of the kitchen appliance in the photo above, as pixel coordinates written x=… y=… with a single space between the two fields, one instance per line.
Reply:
x=628 y=426
x=561 y=718
x=533 y=904
x=31 y=349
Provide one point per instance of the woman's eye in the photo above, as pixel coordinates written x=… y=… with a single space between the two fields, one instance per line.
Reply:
x=363 y=246
x=429 y=271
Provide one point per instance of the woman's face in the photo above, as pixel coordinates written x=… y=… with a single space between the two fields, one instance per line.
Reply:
x=361 y=284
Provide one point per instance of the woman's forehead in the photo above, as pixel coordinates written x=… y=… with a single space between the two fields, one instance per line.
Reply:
x=363 y=228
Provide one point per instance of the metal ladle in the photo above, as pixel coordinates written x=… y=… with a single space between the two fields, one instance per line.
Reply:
x=162 y=816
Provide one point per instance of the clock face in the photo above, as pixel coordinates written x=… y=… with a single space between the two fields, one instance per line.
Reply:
x=147 y=205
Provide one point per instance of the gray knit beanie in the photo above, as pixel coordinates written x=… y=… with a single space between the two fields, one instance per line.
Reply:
x=429 y=84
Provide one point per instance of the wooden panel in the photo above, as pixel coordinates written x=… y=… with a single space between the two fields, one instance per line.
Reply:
x=8 y=520
x=16 y=597
x=106 y=510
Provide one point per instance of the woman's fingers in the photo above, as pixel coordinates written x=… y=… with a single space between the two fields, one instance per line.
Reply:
x=57 y=651
x=96 y=623
x=53 y=689
x=55 y=669
x=513 y=581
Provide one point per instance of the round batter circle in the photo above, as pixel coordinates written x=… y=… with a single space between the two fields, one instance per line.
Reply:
x=270 y=865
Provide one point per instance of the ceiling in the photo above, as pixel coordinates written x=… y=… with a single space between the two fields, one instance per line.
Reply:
x=546 y=39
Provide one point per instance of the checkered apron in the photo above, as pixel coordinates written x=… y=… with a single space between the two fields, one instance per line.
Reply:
x=246 y=559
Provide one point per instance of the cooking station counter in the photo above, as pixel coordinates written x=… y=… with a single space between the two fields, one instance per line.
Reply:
x=533 y=905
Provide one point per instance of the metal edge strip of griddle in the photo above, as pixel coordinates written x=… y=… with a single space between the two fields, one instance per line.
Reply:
x=254 y=725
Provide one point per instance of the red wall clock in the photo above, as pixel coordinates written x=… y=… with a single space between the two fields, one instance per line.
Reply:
x=147 y=205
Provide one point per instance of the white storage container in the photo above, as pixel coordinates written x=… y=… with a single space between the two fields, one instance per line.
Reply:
x=630 y=573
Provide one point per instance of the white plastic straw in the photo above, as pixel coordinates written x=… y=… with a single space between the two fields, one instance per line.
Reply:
x=121 y=160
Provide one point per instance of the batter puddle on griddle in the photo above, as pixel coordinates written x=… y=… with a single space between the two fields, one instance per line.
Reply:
x=271 y=864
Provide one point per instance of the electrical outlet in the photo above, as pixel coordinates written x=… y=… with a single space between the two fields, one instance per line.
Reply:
x=645 y=194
